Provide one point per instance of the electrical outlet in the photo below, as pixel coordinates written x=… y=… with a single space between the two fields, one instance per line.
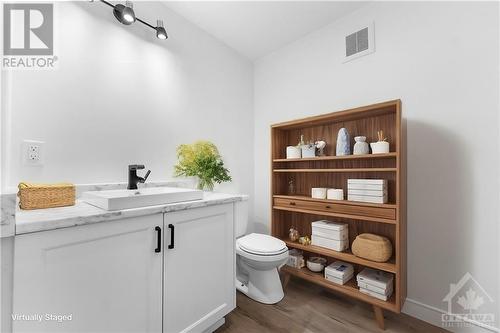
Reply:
x=33 y=152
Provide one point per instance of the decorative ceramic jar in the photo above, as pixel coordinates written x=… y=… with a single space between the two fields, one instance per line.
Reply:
x=380 y=147
x=308 y=151
x=360 y=147
x=343 y=143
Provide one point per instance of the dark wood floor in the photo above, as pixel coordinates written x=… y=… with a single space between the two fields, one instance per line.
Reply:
x=308 y=308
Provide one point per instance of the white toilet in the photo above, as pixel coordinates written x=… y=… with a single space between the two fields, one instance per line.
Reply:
x=258 y=257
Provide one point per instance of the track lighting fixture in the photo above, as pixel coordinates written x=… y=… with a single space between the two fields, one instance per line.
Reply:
x=125 y=14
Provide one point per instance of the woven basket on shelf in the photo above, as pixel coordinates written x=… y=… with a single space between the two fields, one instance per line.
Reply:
x=372 y=247
x=37 y=196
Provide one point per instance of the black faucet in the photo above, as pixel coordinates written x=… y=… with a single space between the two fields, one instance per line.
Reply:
x=133 y=179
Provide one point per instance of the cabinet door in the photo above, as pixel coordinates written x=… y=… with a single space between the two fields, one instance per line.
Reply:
x=199 y=269
x=105 y=277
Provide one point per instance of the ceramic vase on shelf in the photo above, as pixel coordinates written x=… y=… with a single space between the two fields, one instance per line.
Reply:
x=360 y=147
x=343 y=143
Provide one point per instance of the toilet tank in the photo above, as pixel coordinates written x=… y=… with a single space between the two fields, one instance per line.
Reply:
x=241 y=218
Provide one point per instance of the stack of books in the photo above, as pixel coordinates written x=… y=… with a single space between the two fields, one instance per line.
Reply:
x=339 y=272
x=367 y=190
x=334 y=236
x=375 y=283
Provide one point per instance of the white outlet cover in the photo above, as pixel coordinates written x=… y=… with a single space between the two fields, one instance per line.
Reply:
x=32 y=152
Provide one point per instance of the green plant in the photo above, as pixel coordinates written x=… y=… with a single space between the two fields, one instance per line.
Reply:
x=201 y=159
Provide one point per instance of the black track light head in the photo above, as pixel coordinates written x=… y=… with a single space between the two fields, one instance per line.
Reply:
x=125 y=13
x=161 y=33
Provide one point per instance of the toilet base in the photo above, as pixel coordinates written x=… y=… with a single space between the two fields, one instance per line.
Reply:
x=262 y=286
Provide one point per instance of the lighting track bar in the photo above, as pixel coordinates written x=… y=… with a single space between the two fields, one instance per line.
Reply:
x=125 y=14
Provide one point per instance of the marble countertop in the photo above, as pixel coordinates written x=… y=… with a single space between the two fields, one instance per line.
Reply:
x=27 y=221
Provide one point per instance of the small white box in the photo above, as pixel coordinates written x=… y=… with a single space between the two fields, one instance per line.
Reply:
x=365 y=198
x=293 y=152
x=335 y=194
x=308 y=151
x=333 y=244
x=318 y=193
x=331 y=230
x=339 y=270
x=376 y=278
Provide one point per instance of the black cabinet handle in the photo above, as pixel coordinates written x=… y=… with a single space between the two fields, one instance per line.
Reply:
x=292 y=203
x=172 y=233
x=158 y=235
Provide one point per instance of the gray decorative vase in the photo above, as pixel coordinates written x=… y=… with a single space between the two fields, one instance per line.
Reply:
x=343 y=143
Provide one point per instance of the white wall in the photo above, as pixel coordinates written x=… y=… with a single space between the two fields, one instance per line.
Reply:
x=441 y=59
x=121 y=96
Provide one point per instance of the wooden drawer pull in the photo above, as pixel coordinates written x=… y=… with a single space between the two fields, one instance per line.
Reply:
x=328 y=206
x=292 y=203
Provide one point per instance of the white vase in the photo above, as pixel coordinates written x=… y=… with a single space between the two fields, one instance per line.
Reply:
x=360 y=147
x=380 y=147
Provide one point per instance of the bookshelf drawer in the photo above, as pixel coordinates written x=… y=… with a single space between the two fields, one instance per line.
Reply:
x=339 y=207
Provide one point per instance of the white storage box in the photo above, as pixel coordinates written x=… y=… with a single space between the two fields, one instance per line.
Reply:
x=376 y=278
x=333 y=244
x=381 y=291
x=339 y=269
x=372 y=294
x=331 y=230
x=366 y=198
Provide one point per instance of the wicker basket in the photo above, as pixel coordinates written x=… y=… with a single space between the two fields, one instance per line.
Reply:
x=372 y=247
x=37 y=196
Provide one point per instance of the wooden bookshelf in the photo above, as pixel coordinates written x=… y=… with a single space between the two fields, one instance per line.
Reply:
x=298 y=209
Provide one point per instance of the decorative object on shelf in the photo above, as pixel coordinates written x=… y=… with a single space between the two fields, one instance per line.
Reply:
x=293 y=152
x=295 y=259
x=343 y=143
x=308 y=150
x=367 y=190
x=381 y=146
x=375 y=283
x=335 y=194
x=291 y=187
x=305 y=240
x=301 y=142
x=320 y=145
x=201 y=159
x=339 y=272
x=372 y=247
x=361 y=146
x=331 y=235
x=318 y=193
x=40 y=196
x=293 y=234
x=316 y=264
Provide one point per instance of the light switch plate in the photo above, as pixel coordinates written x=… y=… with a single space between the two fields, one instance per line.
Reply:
x=33 y=152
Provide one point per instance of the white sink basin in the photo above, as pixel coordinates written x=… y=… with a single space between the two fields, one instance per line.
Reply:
x=124 y=199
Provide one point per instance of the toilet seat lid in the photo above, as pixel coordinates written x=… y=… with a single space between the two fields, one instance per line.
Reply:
x=262 y=244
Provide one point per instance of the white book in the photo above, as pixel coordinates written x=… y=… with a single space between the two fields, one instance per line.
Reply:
x=375 y=277
x=365 y=198
x=368 y=181
x=373 y=187
x=382 y=291
x=372 y=193
x=337 y=280
x=339 y=269
x=372 y=294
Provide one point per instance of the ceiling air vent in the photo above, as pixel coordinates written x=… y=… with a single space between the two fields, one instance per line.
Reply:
x=359 y=43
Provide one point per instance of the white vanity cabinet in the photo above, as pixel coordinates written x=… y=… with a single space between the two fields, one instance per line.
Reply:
x=170 y=273
x=106 y=276
x=199 y=268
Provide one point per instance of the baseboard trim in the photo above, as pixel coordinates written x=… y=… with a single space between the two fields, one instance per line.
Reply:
x=432 y=315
